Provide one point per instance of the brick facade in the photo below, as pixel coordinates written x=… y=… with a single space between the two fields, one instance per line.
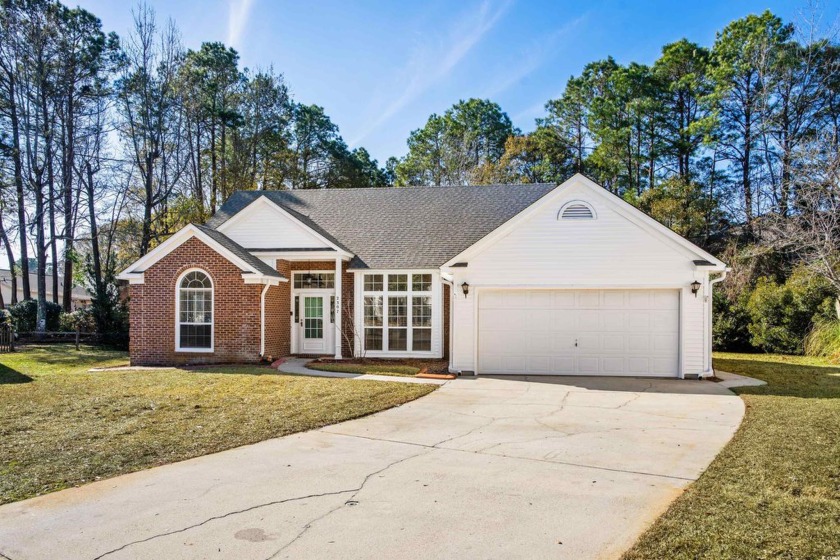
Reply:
x=236 y=312
x=447 y=293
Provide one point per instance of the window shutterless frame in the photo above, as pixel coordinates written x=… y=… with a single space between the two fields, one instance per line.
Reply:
x=397 y=312
x=179 y=323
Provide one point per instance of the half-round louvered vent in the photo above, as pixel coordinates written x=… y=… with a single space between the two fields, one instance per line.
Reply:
x=576 y=211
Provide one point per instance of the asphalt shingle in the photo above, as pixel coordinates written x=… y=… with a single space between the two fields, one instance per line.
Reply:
x=414 y=227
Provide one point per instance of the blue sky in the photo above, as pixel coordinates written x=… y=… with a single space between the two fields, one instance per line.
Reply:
x=380 y=68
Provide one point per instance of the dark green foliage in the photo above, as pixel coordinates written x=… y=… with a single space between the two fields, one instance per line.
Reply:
x=781 y=315
x=25 y=315
x=730 y=330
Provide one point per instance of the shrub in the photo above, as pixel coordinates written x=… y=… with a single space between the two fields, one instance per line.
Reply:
x=824 y=340
x=25 y=315
x=82 y=318
x=781 y=315
x=730 y=329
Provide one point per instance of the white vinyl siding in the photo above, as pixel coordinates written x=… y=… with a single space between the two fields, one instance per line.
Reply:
x=263 y=226
x=609 y=252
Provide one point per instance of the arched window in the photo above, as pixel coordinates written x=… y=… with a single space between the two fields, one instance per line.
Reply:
x=194 y=329
x=576 y=210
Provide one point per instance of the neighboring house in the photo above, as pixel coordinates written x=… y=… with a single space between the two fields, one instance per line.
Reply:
x=499 y=279
x=79 y=297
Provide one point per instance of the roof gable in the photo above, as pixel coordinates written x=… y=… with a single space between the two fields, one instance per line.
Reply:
x=263 y=224
x=581 y=187
x=391 y=228
x=217 y=241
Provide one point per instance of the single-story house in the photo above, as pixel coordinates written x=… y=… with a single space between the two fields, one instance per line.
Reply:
x=79 y=297
x=499 y=279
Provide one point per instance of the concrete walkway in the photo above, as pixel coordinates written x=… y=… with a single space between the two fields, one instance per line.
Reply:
x=537 y=467
x=297 y=366
x=732 y=380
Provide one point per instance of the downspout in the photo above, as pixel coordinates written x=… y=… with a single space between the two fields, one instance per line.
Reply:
x=262 y=319
x=712 y=282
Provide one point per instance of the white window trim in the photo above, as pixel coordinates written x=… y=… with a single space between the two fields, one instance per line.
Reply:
x=313 y=271
x=178 y=323
x=436 y=349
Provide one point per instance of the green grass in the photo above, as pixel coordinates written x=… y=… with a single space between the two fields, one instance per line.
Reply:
x=63 y=426
x=361 y=369
x=774 y=490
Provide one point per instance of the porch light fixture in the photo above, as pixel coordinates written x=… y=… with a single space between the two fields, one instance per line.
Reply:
x=695 y=287
x=466 y=288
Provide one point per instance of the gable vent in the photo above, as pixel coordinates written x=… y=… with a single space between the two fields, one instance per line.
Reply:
x=577 y=211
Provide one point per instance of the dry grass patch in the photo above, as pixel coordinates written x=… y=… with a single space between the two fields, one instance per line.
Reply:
x=774 y=491
x=63 y=426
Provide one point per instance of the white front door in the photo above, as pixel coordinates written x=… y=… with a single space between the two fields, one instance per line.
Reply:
x=315 y=330
x=579 y=332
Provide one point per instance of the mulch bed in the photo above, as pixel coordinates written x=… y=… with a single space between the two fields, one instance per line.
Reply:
x=425 y=366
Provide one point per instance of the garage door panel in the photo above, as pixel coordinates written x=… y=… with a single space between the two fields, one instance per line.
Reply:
x=618 y=332
x=564 y=320
x=613 y=321
x=589 y=320
x=588 y=299
x=589 y=365
x=562 y=299
x=540 y=344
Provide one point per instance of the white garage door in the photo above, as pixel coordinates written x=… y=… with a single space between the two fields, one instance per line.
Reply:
x=579 y=332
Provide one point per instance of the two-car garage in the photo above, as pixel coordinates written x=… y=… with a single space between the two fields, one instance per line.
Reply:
x=633 y=332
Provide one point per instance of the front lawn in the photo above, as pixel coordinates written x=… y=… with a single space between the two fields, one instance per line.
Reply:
x=774 y=491
x=62 y=426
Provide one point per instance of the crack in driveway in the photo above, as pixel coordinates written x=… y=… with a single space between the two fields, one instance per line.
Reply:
x=340 y=506
x=222 y=516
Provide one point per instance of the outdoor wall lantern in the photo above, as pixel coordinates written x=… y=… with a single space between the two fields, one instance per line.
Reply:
x=466 y=288
x=695 y=287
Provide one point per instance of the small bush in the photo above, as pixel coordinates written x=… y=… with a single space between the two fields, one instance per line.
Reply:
x=824 y=340
x=81 y=318
x=25 y=315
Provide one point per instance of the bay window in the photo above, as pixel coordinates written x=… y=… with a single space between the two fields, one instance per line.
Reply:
x=397 y=312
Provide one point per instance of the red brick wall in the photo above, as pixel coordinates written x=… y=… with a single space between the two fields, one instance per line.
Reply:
x=277 y=322
x=447 y=293
x=236 y=310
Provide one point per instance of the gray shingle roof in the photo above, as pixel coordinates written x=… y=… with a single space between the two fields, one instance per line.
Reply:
x=240 y=251
x=415 y=227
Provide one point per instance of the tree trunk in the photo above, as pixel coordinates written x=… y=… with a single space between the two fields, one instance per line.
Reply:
x=21 y=201
x=69 y=157
x=146 y=237
x=11 y=257
x=53 y=248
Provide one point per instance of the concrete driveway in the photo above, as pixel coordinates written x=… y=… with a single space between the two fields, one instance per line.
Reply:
x=484 y=468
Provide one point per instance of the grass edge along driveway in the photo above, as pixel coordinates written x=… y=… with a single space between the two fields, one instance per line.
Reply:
x=62 y=426
x=774 y=490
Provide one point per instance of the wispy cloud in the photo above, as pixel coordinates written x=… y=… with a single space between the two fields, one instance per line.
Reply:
x=239 y=12
x=537 y=54
x=429 y=65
